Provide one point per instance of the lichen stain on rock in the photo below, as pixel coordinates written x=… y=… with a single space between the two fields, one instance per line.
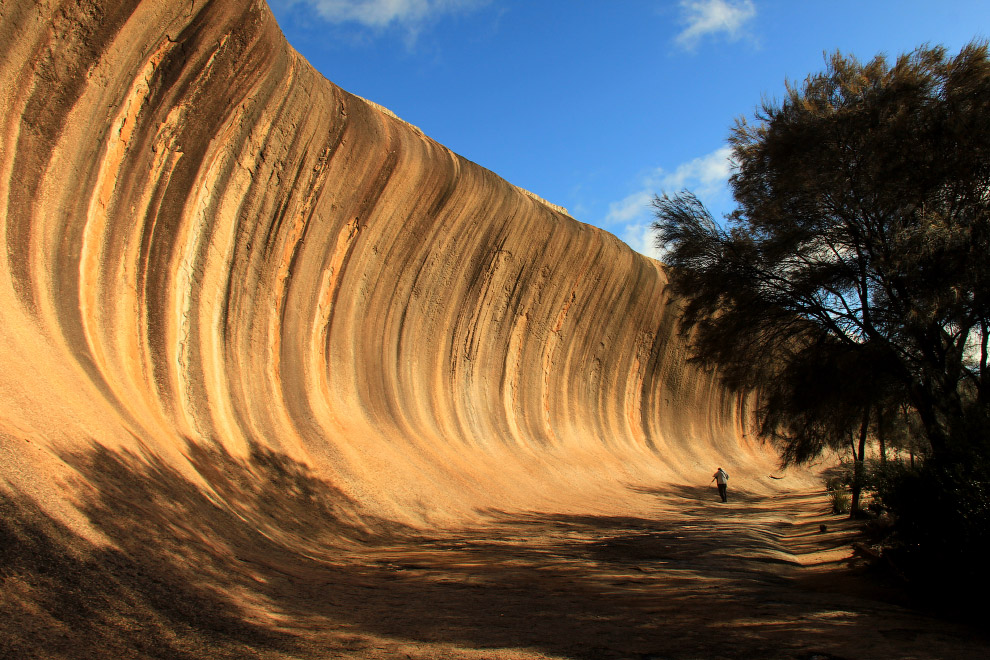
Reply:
x=210 y=245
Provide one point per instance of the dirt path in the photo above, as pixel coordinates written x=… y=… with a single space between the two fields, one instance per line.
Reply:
x=751 y=579
x=754 y=578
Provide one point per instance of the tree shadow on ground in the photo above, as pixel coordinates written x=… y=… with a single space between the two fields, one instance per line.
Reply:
x=268 y=560
x=186 y=574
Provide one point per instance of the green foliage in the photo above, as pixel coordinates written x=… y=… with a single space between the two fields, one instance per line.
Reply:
x=845 y=479
x=837 y=482
x=941 y=523
x=851 y=280
x=839 y=499
x=850 y=290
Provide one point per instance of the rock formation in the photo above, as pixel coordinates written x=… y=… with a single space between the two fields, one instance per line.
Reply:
x=217 y=260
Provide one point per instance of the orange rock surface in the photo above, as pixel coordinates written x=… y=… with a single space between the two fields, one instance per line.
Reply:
x=209 y=246
x=282 y=377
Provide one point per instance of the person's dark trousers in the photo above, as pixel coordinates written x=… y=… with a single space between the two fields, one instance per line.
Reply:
x=721 y=492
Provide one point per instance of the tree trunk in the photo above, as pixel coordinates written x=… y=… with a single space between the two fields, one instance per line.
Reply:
x=924 y=402
x=882 y=437
x=859 y=467
x=984 y=373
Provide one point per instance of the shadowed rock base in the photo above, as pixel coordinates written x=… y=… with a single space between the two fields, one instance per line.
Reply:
x=184 y=577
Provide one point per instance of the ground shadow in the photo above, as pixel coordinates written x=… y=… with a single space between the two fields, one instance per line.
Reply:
x=187 y=574
x=272 y=561
x=63 y=597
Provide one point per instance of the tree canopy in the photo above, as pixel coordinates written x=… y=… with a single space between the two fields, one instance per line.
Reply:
x=853 y=273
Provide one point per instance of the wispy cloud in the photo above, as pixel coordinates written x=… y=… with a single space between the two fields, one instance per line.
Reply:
x=629 y=208
x=706 y=176
x=712 y=17
x=409 y=14
x=641 y=238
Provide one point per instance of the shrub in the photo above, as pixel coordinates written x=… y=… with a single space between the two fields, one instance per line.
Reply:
x=839 y=498
x=941 y=522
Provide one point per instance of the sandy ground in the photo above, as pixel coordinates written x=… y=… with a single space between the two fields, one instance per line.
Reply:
x=184 y=577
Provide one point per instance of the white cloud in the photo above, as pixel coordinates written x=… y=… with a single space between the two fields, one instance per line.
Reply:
x=384 y=13
x=642 y=238
x=629 y=208
x=709 y=17
x=706 y=176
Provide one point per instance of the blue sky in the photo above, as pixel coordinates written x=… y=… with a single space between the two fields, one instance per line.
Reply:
x=595 y=105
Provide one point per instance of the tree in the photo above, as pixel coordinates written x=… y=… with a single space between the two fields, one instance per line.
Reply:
x=853 y=274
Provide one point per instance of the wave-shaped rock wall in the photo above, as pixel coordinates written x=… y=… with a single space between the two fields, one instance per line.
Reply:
x=209 y=245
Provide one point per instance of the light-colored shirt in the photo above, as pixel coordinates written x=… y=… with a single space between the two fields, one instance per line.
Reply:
x=721 y=477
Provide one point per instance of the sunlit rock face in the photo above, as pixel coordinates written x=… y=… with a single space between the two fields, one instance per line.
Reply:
x=211 y=250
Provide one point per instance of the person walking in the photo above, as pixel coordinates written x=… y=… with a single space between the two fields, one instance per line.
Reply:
x=721 y=477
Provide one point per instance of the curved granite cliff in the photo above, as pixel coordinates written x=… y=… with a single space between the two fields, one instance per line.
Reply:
x=221 y=269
